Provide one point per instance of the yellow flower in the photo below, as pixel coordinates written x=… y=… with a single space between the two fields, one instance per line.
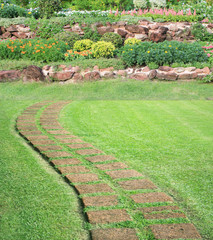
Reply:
x=148 y=51
x=2 y=6
x=131 y=49
x=29 y=12
x=176 y=48
x=170 y=45
x=165 y=51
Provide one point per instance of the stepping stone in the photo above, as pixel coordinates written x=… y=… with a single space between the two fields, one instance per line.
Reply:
x=73 y=169
x=111 y=166
x=158 y=209
x=42 y=142
x=39 y=137
x=175 y=231
x=100 y=201
x=80 y=145
x=86 y=177
x=61 y=137
x=58 y=132
x=29 y=133
x=88 y=151
x=114 y=234
x=26 y=119
x=27 y=128
x=58 y=154
x=47 y=122
x=52 y=127
x=66 y=161
x=93 y=188
x=123 y=174
x=108 y=216
x=49 y=147
x=137 y=184
x=25 y=124
x=100 y=158
x=74 y=140
x=151 y=197
x=164 y=215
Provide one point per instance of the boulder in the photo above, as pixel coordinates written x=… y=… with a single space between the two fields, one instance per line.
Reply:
x=136 y=29
x=121 y=73
x=20 y=35
x=32 y=73
x=156 y=36
x=12 y=28
x=6 y=35
x=171 y=75
x=141 y=36
x=140 y=76
x=122 y=32
x=152 y=74
x=62 y=75
x=102 y=30
x=165 y=68
x=187 y=75
x=94 y=75
x=9 y=75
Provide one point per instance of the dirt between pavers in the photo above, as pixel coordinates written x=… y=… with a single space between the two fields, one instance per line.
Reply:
x=100 y=201
x=66 y=161
x=111 y=166
x=123 y=174
x=114 y=234
x=84 y=177
x=93 y=188
x=137 y=184
x=88 y=151
x=100 y=158
x=73 y=169
x=175 y=231
x=108 y=216
x=151 y=197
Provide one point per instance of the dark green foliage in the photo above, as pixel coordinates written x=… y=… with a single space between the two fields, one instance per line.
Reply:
x=91 y=34
x=113 y=38
x=200 y=32
x=12 y=11
x=48 y=7
x=69 y=37
x=162 y=53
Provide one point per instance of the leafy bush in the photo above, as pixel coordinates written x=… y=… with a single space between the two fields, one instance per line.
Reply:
x=113 y=38
x=162 y=53
x=153 y=65
x=36 y=50
x=140 y=4
x=83 y=45
x=200 y=32
x=157 y=3
x=208 y=78
x=91 y=34
x=103 y=49
x=71 y=55
x=12 y=11
x=69 y=37
x=48 y=7
x=132 y=41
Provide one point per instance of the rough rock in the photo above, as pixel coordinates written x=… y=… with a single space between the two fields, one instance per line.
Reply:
x=122 y=32
x=94 y=75
x=12 y=28
x=102 y=30
x=62 y=76
x=136 y=29
x=140 y=76
x=32 y=73
x=9 y=75
x=152 y=74
x=171 y=75
x=156 y=36
x=187 y=75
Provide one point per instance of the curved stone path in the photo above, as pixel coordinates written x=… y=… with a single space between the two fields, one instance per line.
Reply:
x=107 y=188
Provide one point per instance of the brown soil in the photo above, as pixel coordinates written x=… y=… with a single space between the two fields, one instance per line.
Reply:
x=58 y=132
x=151 y=197
x=74 y=140
x=100 y=158
x=73 y=169
x=123 y=174
x=80 y=145
x=58 y=154
x=61 y=137
x=66 y=161
x=93 y=188
x=164 y=215
x=100 y=201
x=37 y=138
x=137 y=184
x=158 y=209
x=42 y=142
x=30 y=133
x=108 y=216
x=111 y=166
x=88 y=151
x=87 y=177
x=49 y=147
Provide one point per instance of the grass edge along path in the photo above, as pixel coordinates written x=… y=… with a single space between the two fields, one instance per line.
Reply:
x=118 y=201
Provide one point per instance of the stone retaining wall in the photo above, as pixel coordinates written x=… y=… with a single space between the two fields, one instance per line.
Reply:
x=145 y=30
x=69 y=74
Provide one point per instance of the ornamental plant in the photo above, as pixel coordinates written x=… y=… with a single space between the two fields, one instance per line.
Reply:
x=103 y=49
x=69 y=37
x=71 y=55
x=47 y=8
x=132 y=41
x=82 y=45
x=113 y=38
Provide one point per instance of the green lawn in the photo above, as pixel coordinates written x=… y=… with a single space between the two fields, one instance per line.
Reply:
x=170 y=141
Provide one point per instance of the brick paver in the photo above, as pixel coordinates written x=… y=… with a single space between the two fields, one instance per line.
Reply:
x=37 y=137
x=175 y=231
x=66 y=161
x=84 y=177
x=93 y=188
x=123 y=174
x=108 y=216
x=73 y=169
x=30 y=133
x=114 y=234
x=72 y=140
x=111 y=166
x=137 y=184
x=58 y=154
x=88 y=151
x=100 y=158
x=80 y=145
x=42 y=142
x=62 y=138
x=151 y=197
x=100 y=201
x=58 y=132
x=49 y=147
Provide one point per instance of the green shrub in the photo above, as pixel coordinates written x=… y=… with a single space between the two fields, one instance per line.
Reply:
x=48 y=7
x=208 y=78
x=82 y=45
x=163 y=53
x=113 y=38
x=132 y=41
x=153 y=65
x=69 y=37
x=200 y=33
x=91 y=34
x=103 y=49
x=12 y=11
x=140 y=4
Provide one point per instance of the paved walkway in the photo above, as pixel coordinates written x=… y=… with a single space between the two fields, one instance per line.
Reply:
x=104 y=184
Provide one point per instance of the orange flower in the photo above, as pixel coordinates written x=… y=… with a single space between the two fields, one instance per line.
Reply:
x=23 y=52
x=37 y=51
x=66 y=54
x=53 y=43
x=66 y=43
x=43 y=51
x=12 y=50
x=49 y=46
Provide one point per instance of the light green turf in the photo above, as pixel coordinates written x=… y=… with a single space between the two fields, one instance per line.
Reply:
x=171 y=142
x=38 y=204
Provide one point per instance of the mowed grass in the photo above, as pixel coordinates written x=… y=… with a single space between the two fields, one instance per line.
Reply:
x=169 y=141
